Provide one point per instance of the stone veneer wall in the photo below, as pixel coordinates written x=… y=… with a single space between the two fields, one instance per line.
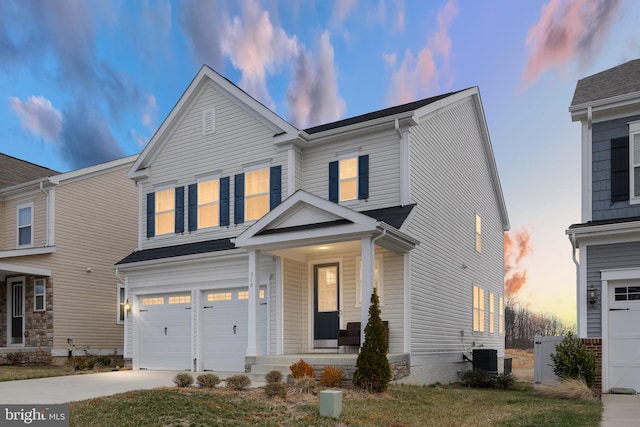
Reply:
x=38 y=324
x=595 y=345
x=399 y=369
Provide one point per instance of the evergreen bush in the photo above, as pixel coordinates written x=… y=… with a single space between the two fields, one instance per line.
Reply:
x=183 y=379
x=238 y=382
x=274 y=376
x=208 y=380
x=572 y=359
x=273 y=389
x=373 y=372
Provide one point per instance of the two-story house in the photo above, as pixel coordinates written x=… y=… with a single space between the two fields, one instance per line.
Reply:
x=606 y=245
x=60 y=234
x=259 y=241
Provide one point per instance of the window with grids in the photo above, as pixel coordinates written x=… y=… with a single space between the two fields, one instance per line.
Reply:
x=478 y=309
x=478 y=233
x=627 y=293
x=492 y=313
x=209 y=203
x=121 y=304
x=165 y=211
x=348 y=179
x=39 y=295
x=501 y=314
x=256 y=193
x=25 y=224
x=377 y=280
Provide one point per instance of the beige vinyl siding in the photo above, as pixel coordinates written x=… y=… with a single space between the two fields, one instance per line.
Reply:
x=3 y=244
x=450 y=181
x=9 y=219
x=295 y=303
x=239 y=139
x=384 y=168
x=95 y=226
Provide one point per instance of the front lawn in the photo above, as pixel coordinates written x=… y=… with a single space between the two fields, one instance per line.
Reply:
x=13 y=373
x=400 y=406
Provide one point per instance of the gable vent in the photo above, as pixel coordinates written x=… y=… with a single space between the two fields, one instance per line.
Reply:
x=208 y=121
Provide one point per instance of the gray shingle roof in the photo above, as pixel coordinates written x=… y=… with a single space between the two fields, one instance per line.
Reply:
x=615 y=81
x=15 y=171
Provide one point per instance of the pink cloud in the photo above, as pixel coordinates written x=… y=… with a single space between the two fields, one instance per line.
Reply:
x=398 y=25
x=343 y=8
x=38 y=116
x=256 y=47
x=419 y=76
x=567 y=30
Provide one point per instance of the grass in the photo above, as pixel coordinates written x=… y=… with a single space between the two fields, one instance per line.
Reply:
x=13 y=373
x=400 y=406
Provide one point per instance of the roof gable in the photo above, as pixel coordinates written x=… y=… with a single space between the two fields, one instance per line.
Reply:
x=616 y=81
x=207 y=76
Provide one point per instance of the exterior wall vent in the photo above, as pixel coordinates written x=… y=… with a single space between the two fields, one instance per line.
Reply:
x=208 y=121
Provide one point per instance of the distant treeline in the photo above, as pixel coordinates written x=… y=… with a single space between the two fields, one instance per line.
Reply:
x=521 y=325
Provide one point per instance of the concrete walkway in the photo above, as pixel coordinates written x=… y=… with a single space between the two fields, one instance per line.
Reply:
x=620 y=410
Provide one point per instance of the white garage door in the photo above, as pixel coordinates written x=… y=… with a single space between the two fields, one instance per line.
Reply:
x=624 y=336
x=164 y=332
x=225 y=324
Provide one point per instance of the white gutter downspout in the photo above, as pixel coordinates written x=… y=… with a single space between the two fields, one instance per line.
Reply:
x=48 y=222
x=405 y=196
x=579 y=293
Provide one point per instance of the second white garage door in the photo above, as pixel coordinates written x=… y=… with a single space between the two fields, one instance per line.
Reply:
x=225 y=324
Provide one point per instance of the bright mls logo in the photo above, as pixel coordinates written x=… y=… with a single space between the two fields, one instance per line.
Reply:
x=37 y=415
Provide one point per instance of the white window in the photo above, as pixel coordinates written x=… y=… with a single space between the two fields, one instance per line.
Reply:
x=634 y=159
x=39 y=295
x=377 y=280
x=256 y=194
x=348 y=179
x=478 y=233
x=25 y=224
x=165 y=211
x=501 y=312
x=121 y=304
x=208 y=203
x=478 y=309
x=492 y=313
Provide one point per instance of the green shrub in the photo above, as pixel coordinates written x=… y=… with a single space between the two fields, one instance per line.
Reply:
x=572 y=359
x=331 y=376
x=238 y=382
x=208 y=380
x=503 y=381
x=273 y=376
x=305 y=384
x=477 y=378
x=373 y=372
x=273 y=389
x=302 y=369
x=183 y=379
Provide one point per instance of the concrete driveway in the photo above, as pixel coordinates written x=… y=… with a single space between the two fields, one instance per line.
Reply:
x=80 y=387
x=620 y=410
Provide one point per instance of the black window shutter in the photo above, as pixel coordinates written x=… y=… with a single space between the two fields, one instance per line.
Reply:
x=333 y=181
x=193 y=207
x=224 y=201
x=363 y=177
x=179 y=214
x=619 y=169
x=238 y=200
x=151 y=214
x=275 y=186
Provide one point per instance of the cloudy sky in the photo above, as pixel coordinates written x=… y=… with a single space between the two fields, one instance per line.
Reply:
x=82 y=82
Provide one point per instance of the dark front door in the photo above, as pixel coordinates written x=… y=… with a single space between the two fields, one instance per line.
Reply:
x=326 y=303
x=17 y=312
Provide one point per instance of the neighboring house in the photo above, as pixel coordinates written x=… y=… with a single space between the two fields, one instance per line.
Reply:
x=259 y=241
x=607 y=242
x=60 y=234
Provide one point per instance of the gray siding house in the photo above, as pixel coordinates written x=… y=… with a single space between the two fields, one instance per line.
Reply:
x=606 y=244
x=258 y=241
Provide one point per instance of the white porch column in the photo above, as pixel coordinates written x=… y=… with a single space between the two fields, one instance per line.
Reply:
x=368 y=262
x=254 y=286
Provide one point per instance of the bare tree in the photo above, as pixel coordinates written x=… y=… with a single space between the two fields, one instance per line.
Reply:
x=521 y=325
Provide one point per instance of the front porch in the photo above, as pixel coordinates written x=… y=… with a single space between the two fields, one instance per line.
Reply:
x=260 y=365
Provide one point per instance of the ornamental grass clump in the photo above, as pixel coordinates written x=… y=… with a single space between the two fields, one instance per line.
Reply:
x=373 y=372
